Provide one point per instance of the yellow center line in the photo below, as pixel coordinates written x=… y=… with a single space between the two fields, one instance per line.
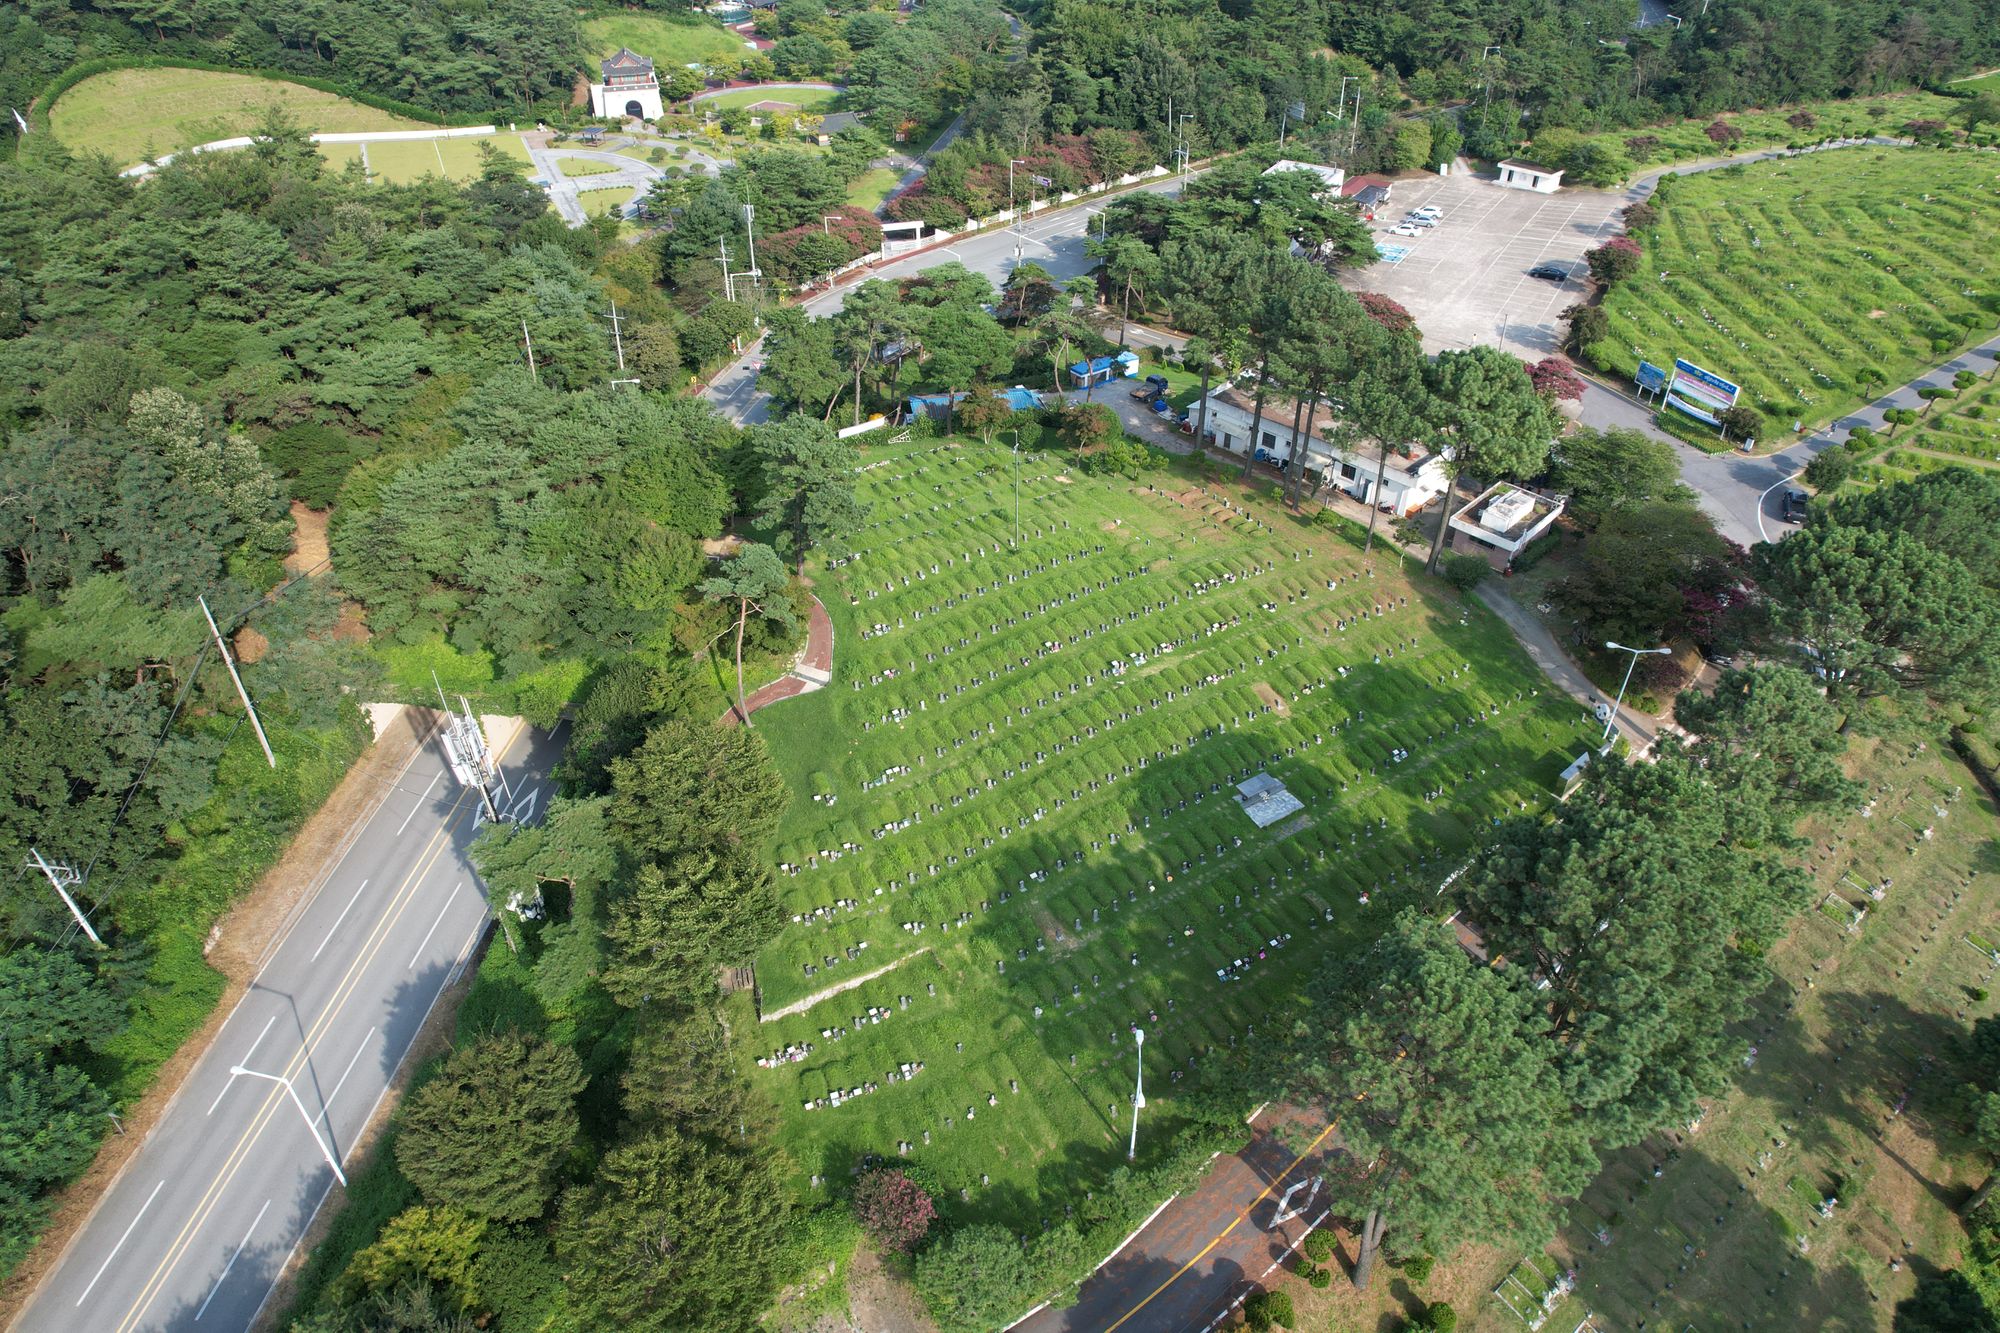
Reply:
x=433 y=850
x=1242 y=1215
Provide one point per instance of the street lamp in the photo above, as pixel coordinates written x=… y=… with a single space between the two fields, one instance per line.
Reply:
x=1186 y=116
x=326 y=1150
x=1013 y=218
x=1017 y=486
x=1485 y=75
x=1138 y=1093
x=825 y=221
x=1637 y=653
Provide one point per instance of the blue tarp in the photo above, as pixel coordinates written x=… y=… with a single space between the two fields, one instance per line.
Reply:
x=934 y=404
x=1020 y=399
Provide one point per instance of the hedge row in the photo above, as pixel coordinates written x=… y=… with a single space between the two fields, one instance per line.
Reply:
x=38 y=112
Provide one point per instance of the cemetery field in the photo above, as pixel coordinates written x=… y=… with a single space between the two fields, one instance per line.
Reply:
x=126 y=114
x=1728 y=1226
x=1800 y=279
x=1013 y=832
x=665 y=41
x=1842 y=118
x=1958 y=432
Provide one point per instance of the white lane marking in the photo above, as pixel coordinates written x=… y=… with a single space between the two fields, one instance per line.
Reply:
x=418 y=806
x=245 y=1060
x=434 y=926
x=121 y=1242
x=1765 y=492
x=326 y=1105
x=232 y=1261
x=342 y=917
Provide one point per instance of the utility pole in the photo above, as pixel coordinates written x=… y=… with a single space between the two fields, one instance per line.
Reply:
x=750 y=233
x=1186 y=116
x=1013 y=216
x=230 y=661
x=529 y=343
x=617 y=338
x=62 y=879
x=1486 y=75
x=465 y=749
x=1354 y=130
x=1345 y=79
x=728 y=282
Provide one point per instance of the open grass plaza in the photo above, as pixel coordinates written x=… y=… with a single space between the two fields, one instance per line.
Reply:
x=1017 y=834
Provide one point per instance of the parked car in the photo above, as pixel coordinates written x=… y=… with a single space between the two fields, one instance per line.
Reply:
x=1154 y=386
x=1549 y=272
x=1427 y=211
x=1794 y=505
x=1424 y=220
x=1405 y=229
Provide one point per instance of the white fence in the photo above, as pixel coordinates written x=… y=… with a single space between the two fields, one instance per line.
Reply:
x=378 y=136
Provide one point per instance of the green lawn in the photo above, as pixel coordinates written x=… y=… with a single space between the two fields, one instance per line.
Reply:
x=1960 y=432
x=1861 y=117
x=667 y=42
x=1984 y=83
x=1031 y=817
x=600 y=203
x=399 y=162
x=1788 y=277
x=129 y=113
x=799 y=99
x=584 y=166
x=872 y=187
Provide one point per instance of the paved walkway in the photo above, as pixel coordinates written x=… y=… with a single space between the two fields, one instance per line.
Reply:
x=812 y=671
x=1201 y=1253
x=627 y=173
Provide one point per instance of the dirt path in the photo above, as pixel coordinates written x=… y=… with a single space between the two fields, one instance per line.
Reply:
x=310 y=553
x=800 y=1006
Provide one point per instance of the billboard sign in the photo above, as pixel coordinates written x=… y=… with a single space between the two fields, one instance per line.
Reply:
x=1651 y=378
x=1700 y=393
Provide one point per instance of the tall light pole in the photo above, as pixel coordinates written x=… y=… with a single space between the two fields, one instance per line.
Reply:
x=1486 y=74
x=1017 y=486
x=325 y=1148
x=1138 y=1092
x=1185 y=118
x=1014 y=218
x=1345 y=79
x=1637 y=653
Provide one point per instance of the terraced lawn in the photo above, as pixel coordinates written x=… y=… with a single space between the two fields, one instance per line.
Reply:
x=1789 y=277
x=1847 y=118
x=1960 y=432
x=799 y=99
x=127 y=114
x=1016 y=803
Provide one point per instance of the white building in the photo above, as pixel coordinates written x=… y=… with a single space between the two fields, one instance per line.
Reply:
x=1503 y=520
x=630 y=88
x=1333 y=177
x=1530 y=176
x=1409 y=481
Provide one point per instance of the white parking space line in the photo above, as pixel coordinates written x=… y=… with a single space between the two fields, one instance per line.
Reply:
x=121 y=1242
x=342 y=917
x=418 y=806
x=232 y=1261
x=434 y=926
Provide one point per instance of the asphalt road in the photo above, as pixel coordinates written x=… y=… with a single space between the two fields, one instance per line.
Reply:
x=1053 y=238
x=195 y=1230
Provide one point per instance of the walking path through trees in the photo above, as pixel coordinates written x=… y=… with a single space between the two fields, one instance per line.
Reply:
x=813 y=671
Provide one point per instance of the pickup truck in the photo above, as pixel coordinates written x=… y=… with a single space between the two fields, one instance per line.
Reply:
x=1155 y=386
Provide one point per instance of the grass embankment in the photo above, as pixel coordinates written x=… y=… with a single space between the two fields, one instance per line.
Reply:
x=668 y=42
x=1962 y=432
x=1051 y=800
x=129 y=113
x=1791 y=277
x=869 y=189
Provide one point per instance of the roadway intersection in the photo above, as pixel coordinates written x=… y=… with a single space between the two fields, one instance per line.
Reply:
x=196 y=1229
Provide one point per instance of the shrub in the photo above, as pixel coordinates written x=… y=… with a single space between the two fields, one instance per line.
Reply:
x=1419 y=1268
x=1464 y=572
x=1269 y=1309
x=1829 y=468
x=1802 y=120
x=1556 y=380
x=1587 y=324
x=1320 y=1278
x=1318 y=1246
x=1642 y=146
x=1614 y=261
x=1440 y=1318
x=1723 y=134
x=895 y=1209
x=1532 y=554
x=1640 y=216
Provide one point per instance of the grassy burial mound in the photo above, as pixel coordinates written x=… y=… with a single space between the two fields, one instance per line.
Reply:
x=1014 y=832
x=669 y=42
x=126 y=114
x=1815 y=282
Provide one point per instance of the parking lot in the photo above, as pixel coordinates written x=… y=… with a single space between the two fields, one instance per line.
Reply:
x=1466 y=280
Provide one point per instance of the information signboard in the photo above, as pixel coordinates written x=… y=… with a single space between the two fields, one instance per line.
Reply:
x=1700 y=393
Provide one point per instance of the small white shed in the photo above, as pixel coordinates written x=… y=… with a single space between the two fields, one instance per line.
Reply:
x=1530 y=176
